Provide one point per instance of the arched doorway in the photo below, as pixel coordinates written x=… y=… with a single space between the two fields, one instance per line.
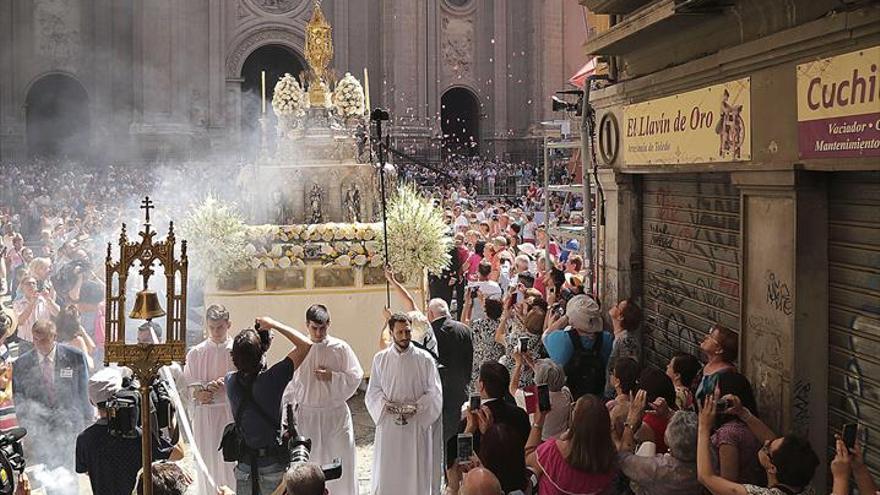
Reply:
x=460 y=120
x=57 y=117
x=276 y=60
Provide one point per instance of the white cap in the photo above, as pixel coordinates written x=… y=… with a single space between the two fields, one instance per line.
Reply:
x=104 y=384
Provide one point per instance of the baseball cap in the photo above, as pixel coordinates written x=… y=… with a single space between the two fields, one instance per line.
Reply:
x=583 y=314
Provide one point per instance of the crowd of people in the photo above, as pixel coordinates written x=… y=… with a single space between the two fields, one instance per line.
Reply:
x=511 y=380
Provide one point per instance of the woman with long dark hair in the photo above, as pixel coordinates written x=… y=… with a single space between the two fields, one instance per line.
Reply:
x=582 y=460
x=255 y=391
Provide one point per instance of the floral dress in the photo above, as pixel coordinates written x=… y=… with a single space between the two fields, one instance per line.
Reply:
x=485 y=347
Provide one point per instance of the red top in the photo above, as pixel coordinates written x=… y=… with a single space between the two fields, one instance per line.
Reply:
x=657 y=424
x=561 y=479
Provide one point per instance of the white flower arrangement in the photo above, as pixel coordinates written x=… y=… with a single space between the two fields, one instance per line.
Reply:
x=335 y=244
x=217 y=238
x=289 y=100
x=417 y=235
x=348 y=97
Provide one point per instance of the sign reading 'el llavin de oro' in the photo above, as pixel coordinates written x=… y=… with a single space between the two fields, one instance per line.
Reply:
x=711 y=124
x=839 y=106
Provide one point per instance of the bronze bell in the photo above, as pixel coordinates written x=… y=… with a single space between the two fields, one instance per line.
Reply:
x=146 y=306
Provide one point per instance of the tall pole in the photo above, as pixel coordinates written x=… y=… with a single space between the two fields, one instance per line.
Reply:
x=377 y=116
x=548 y=261
x=146 y=436
x=586 y=142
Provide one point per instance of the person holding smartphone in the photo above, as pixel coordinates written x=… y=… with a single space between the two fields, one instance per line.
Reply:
x=789 y=462
x=32 y=306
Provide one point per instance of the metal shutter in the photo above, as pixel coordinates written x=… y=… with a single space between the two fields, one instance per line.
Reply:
x=854 y=308
x=691 y=261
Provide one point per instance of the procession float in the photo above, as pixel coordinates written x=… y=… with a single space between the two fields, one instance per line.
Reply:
x=313 y=234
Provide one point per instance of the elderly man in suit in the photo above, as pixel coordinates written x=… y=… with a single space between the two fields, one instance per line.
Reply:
x=50 y=386
x=455 y=348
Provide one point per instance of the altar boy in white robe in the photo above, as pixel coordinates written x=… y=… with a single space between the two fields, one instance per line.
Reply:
x=326 y=379
x=402 y=374
x=206 y=366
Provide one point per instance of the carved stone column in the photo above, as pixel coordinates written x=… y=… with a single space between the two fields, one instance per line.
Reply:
x=621 y=272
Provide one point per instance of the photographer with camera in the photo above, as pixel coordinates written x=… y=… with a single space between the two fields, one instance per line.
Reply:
x=111 y=458
x=78 y=284
x=255 y=393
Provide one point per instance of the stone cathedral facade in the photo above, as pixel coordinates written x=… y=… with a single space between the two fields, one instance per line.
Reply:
x=154 y=79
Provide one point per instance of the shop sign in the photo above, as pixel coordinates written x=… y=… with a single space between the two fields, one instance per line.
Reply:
x=707 y=125
x=839 y=106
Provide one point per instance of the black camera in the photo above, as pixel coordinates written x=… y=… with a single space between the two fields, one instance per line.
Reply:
x=123 y=409
x=380 y=114
x=300 y=449
x=11 y=458
x=265 y=338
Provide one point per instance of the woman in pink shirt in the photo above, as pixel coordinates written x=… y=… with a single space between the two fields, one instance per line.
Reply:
x=580 y=461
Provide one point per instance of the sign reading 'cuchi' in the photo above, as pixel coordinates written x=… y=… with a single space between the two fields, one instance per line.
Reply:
x=839 y=106
x=707 y=125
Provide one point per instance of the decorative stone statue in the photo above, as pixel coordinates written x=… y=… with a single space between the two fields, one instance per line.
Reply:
x=281 y=214
x=351 y=204
x=315 y=204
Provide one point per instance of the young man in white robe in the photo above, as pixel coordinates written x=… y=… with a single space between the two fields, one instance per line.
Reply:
x=326 y=379
x=206 y=367
x=402 y=374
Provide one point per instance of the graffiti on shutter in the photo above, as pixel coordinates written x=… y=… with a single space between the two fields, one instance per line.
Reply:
x=691 y=261
x=854 y=308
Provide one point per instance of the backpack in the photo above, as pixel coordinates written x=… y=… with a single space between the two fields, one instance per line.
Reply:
x=584 y=371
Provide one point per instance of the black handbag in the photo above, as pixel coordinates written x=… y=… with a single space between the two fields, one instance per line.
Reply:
x=232 y=442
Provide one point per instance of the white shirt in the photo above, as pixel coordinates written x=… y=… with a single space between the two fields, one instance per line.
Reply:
x=48 y=357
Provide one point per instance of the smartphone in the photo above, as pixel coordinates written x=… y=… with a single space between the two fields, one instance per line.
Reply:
x=544 y=397
x=722 y=405
x=475 y=403
x=465 y=444
x=523 y=344
x=850 y=431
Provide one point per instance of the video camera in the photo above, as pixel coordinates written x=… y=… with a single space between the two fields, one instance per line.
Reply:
x=11 y=458
x=299 y=448
x=123 y=409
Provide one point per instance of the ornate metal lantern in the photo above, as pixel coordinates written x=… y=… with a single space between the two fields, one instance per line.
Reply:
x=145 y=359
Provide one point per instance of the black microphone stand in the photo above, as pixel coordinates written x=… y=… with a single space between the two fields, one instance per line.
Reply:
x=383 y=147
x=378 y=116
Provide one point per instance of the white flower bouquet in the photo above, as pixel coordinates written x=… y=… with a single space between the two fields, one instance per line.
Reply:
x=289 y=100
x=417 y=235
x=348 y=97
x=218 y=240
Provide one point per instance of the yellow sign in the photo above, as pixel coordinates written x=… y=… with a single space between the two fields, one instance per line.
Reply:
x=838 y=102
x=839 y=86
x=703 y=126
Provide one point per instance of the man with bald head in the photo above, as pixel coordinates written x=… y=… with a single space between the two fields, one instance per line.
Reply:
x=480 y=481
x=455 y=349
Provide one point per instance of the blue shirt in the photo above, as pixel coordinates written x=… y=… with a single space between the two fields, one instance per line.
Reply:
x=268 y=388
x=560 y=349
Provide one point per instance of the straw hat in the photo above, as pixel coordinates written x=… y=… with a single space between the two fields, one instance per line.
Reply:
x=8 y=322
